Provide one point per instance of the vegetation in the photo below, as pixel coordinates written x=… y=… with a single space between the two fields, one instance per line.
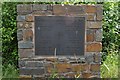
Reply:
x=111 y=40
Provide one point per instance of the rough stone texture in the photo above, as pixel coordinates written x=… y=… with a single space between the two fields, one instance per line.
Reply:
x=94 y=24
x=20 y=18
x=98 y=35
x=95 y=67
x=32 y=71
x=94 y=47
x=25 y=53
x=90 y=35
x=28 y=35
x=90 y=9
x=25 y=24
x=91 y=17
x=84 y=66
x=99 y=12
x=25 y=44
x=24 y=8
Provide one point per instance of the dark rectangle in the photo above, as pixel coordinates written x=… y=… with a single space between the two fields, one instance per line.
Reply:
x=60 y=35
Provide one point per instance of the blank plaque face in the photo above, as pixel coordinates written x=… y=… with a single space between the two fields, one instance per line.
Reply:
x=59 y=35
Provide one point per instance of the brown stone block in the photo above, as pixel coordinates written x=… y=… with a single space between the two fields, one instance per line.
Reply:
x=25 y=24
x=28 y=35
x=86 y=75
x=63 y=67
x=77 y=68
x=29 y=18
x=90 y=9
x=51 y=59
x=91 y=17
x=94 y=47
x=95 y=67
x=59 y=10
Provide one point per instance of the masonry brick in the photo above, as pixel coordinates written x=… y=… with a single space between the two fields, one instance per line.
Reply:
x=25 y=24
x=90 y=9
x=24 y=8
x=40 y=7
x=91 y=17
x=94 y=47
x=21 y=18
x=32 y=71
x=99 y=12
x=59 y=10
x=25 y=53
x=51 y=59
x=97 y=57
x=77 y=68
x=95 y=67
x=42 y=13
x=25 y=44
x=29 y=18
x=20 y=35
x=90 y=35
x=34 y=64
x=28 y=35
x=98 y=35
x=63 y=67
x=93 y=24
x=86 y=75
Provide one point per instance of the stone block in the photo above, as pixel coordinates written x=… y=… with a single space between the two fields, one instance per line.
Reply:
x=91 y=17
x=98 y=35
x=89 y=58
x=25 y=44
x=34 y=64
x=86 y=75
x=25 y=25
x=59 y=10
x=90 y=9
x=63 y=67
x=94 y=24
x=99 y=12
x=25 y=53
x=29 y=18
x=94 y=47
x=97 y=57
x=20 y=18
x=22 y=63
x=90 y=35
x=32 y=71
x=40 y=7
x=24 y=8
x=95 y=67
x=72 y=9
x=20 y=34
x=28 y=35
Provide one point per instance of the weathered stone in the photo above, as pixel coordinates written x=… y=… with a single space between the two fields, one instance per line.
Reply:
x=92 y=24
x=28 y=35
x=86 y=75
x=94 y=47
x=95 y=67
x=22 y=63
x=25 y=24
x=24 y=8
x=90 y=9
x=77 y=68
x=40 y=7
x=97 y=57
x=25 y=44
x=49 y=67
x=19 y=37
x=25 y=53
x=74 y=9
x=63 y=67
x=59 y=10
x=91 y=17
x=98 y=35
x=29 y=18
x=90 y=35
x=99 y=12
x=70 y=75
x=51 y=59
x=20 y=18
x=42 y=13
x=34 y=64
x=89 y=58
x=32 y=71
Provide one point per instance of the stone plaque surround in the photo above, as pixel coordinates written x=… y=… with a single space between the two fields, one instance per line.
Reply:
x=40 y=66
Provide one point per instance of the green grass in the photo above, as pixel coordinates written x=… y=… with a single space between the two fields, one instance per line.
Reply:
x=109 y=68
